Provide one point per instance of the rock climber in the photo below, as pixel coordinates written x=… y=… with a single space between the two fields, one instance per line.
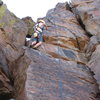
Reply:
x=37 y=37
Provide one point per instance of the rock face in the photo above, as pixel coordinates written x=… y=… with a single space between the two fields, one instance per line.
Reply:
x=63 y=71
x=49 y=79
x=65 y=67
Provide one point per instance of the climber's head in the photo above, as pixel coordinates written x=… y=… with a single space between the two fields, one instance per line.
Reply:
x=42 y=21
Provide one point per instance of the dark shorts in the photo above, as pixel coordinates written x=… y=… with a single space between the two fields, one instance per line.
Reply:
x=38 y=39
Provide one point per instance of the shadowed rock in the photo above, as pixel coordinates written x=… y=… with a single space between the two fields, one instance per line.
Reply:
x=30 y=23
x=13 y=60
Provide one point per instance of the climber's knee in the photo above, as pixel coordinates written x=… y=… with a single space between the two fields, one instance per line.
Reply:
x=40 y=42
x=34 y=42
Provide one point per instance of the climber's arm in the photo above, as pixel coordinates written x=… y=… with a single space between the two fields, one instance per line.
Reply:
x=46 y=27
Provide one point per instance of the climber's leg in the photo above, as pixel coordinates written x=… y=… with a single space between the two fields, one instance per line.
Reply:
x=37 y=45
x=33 y=43
x=39 y=42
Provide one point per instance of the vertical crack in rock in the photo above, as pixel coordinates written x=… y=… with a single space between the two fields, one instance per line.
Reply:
x=89 y=20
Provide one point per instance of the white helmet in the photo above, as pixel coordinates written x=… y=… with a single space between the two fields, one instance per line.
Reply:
x=42 y=21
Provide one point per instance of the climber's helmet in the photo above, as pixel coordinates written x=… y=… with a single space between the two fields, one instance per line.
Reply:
x=41 y=21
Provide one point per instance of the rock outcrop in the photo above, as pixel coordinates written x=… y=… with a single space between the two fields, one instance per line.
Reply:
x=65 y=67
x=30 y=24
x=13 y=59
